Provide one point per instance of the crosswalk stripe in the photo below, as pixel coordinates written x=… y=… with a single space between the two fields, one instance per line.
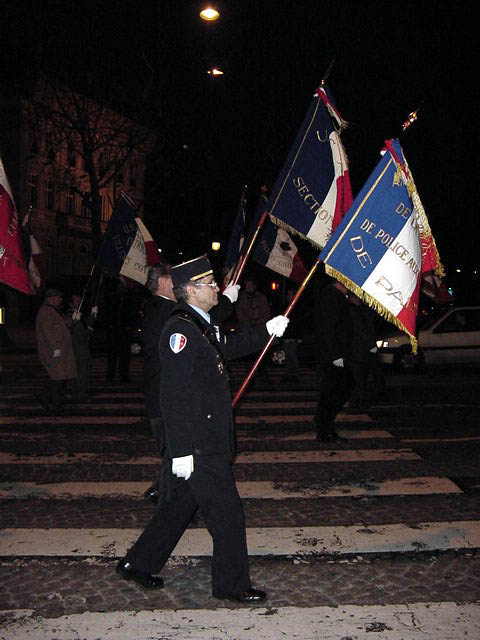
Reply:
x=360 y=434
x=242 y=436
x=420 y=440
x=417 y=620
x=119 y=419
x=269 y=419
x=329 y=455
x=246 y=457
x=262 y=541
x=103 y=420
x=277 y=405
x=420 y=485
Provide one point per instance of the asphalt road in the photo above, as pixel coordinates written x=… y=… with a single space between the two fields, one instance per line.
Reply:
x=375 y=538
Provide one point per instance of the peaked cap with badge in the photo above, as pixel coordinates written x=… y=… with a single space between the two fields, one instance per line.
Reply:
x=192 y=270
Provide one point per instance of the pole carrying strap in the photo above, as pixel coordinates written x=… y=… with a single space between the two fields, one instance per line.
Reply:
x=209 y=335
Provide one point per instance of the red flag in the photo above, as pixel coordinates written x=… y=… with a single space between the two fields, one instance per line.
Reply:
x=33 y=256
x=13 y=266
x=152 y=254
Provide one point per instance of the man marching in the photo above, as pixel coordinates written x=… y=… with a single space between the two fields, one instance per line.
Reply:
x=196 y=408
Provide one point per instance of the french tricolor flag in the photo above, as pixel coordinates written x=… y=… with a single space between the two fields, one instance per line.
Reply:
x=34 y=256
x=276 y=250
x=313 y=192
x=384 y=243
x=143 y=253
x=128 y=248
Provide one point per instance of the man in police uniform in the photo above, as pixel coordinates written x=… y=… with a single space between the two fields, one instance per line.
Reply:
x=196 y=408
x=157 y=311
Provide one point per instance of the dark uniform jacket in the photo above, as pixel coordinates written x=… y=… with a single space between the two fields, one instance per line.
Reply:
x=81 y=331
x=194 y=389
x=333 y=325
x=157 y=312
x=364 y=338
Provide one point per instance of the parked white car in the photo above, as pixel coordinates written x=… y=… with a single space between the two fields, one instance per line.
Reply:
x=453 y=337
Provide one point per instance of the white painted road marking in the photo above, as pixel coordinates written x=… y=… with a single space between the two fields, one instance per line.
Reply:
x=243 y=435
x=48 y=420
x=326 y=455
x=262 y=541
x=418 y=620
x=104 y=420
x=438 y=440
x=247 y=457
x=268 y=419
x=257 y=490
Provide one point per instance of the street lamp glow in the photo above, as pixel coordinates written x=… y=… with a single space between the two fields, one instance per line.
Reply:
x=214 y=71
x=209 y=14
x=216 y=246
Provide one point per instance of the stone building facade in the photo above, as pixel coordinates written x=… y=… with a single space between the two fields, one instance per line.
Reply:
x=48 y=173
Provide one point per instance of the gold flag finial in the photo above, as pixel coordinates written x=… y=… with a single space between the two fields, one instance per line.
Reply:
x=410 y=120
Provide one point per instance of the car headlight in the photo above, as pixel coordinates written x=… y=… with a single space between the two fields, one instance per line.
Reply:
x=382 y=344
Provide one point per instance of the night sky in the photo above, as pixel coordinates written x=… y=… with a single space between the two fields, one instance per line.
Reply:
x=149 y=59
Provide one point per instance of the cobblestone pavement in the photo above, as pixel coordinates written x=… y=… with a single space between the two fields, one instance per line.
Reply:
x=433 y=415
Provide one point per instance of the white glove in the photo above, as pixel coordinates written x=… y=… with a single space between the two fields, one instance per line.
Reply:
x=276 y=326
x=57 y=353
x=76 y=315
x=94 y=311
x=182 y=467
x=231 y=291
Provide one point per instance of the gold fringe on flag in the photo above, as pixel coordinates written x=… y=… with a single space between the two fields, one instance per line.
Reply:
x=428 y=241
x=342 y=124
x=280 y=223
x=403 y=175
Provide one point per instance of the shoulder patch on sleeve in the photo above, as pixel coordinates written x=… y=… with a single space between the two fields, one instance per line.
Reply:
x=177 y=342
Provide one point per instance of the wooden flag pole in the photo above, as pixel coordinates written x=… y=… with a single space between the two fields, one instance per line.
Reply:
x=241 y=265
x=271 y=339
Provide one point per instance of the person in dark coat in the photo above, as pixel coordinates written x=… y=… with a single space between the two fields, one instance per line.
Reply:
x=55 y=350
x=196 y=407
x=363 y=352
x=81 y=330
x=333 y=334
x=156 y=313
x=252 y=308
x=290 y=344
x=121 y=314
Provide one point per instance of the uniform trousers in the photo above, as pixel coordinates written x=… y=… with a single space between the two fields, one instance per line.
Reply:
x=211 y=488
x=335 y=388
x=81 y=381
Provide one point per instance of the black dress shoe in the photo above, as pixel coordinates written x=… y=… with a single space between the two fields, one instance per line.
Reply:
x=152 y=494
x=145 y=580
x=249 y=596
x=330 y=436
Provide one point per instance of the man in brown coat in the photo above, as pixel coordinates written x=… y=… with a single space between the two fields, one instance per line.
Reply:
x=55 y=350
